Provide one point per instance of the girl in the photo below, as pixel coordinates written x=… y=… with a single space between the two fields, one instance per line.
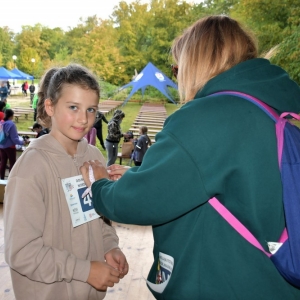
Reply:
x=8 y=146
x=196 y=158
x=48 y=257
x=141 y=146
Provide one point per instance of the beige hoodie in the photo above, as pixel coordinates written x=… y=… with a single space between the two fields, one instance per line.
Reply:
x=49 y=259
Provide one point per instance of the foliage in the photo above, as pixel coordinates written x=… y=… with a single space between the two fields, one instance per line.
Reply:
x=289 y=49
x=139 y=32
x=274 y=23
x=6 y=46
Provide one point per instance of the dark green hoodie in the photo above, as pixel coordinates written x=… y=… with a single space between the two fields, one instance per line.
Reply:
x=225 y=147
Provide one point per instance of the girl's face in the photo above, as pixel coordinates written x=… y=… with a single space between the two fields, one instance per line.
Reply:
x=73 y=115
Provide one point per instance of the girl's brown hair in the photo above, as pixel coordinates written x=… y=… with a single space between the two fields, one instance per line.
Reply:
x=209 y=47
x=52 y=84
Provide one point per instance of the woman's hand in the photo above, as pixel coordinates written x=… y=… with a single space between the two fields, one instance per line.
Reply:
x=116 y=171
x=98 y=169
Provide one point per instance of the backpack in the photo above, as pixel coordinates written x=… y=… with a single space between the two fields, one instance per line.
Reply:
x=3 y=135
x=286 y=252
x=129 y=136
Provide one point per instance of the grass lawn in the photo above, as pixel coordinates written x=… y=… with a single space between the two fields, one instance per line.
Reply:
x=131 y=110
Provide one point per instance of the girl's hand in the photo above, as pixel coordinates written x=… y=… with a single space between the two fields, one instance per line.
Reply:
x=117 y=260
x=102 y=275
x=116 y=171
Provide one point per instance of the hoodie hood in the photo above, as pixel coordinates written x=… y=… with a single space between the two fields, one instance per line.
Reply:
x=118 y=115
x=259 y=78
x=49 y=144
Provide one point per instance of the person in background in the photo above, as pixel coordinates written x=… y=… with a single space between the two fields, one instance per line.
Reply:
x=8 y=147
x=141 y=146
x=34 y=106
x=2 y=115
x=196 y=158
x=31 y=90
x=49 y=258
x=3 y=91
x=25 y=88
x=6 y=105
x=91 y=136
x=8 y=88
x=98 y=125
x=38 y=128
x=114 y=134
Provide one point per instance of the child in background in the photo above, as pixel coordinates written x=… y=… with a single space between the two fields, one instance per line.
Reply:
x=7 y=105
x=48 y=257
x=8 y=150
x=38 y=128
x=34 y=106
x=141 y=146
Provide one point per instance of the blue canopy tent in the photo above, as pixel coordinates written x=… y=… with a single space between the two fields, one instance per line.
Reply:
x=5 y=74
x=150 y=75
x=22 y=74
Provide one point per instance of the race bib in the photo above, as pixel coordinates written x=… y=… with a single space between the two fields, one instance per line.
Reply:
x=81 y=207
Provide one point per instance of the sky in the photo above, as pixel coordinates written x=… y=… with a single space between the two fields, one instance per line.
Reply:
x=55 y=13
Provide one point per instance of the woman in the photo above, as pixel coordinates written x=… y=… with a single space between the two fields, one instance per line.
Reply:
x=114 y=134
x=98 y=125
x=7 y=147
x=221 y=146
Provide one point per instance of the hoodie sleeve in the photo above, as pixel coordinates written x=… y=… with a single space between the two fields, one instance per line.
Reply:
x=158 y=196
x=110 y=238
x=24 y=221
x=13 y=134
x=104 y=119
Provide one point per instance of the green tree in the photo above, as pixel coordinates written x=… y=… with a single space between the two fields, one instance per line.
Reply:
x=275 y=23
x=98 y=51
x=55 y=38
x=267 y=18
x=132 y=22
x=73 y=36
x=6 y=46
x=146 y=31
x=168 y=20
x=288 y=54
x=25 y=61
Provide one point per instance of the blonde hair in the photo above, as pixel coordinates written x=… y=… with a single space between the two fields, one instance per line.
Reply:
x=209 y=47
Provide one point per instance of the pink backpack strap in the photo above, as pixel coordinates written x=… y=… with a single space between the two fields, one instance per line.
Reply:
x=280 y=124
x=236 y=224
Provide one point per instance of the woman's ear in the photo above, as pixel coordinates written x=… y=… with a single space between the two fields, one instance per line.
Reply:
x=49 y=107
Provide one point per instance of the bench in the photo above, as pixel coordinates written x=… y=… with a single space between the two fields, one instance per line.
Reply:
x=2 y=189
x=25 y=111
x=149 y=130
x=127 y=148
x=17 y=116
x=29 y=133
x=136 y=126
x=150 y=134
